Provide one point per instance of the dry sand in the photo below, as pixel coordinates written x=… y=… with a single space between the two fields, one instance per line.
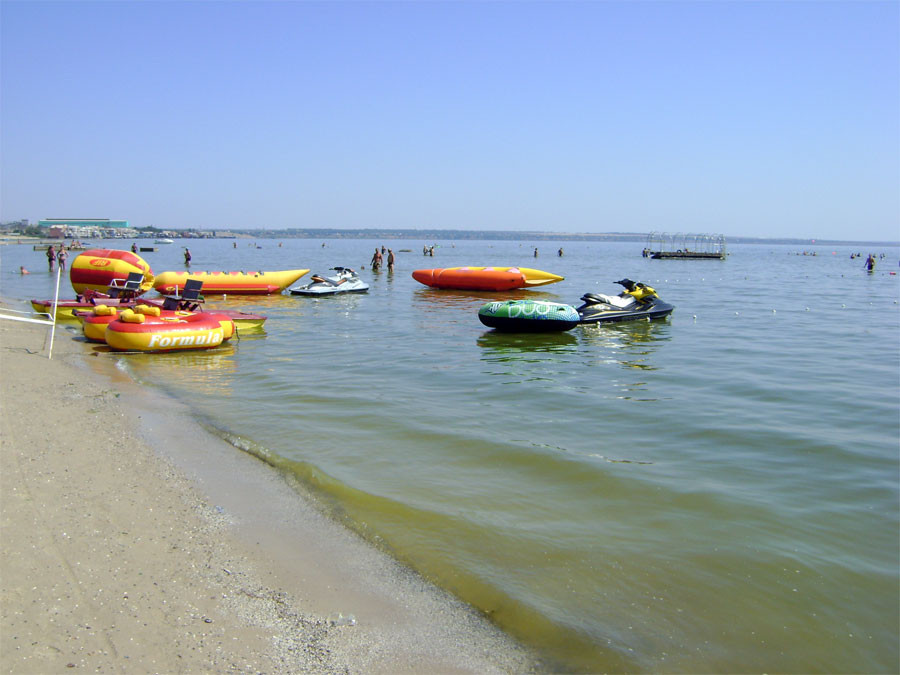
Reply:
x=135 y=541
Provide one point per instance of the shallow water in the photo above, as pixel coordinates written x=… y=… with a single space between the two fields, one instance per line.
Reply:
x=713 y=492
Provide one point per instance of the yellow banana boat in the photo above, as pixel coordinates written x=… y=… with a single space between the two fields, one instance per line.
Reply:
x=237 y=283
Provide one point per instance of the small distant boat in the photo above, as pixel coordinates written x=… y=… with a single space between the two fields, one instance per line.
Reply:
x=346 y=281
x=164 y=241
x=230 y=283
x=687 y=255
x=484 y=278
x=528 y=316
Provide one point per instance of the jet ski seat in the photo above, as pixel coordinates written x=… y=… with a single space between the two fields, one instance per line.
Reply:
x=614 y=300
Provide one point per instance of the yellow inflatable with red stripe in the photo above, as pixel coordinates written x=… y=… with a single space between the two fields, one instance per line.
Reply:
x=96 y=269
x=228 y=283
x=134 y=331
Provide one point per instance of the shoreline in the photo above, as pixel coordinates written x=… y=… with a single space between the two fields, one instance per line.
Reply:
x=133 y=539
x=463 y=235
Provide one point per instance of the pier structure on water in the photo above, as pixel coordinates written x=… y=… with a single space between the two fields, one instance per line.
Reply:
x=682 y=246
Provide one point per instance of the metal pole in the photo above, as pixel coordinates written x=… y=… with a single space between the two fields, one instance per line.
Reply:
x=55 y=301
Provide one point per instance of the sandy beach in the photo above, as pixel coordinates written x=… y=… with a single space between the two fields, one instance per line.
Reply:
x=134 y=540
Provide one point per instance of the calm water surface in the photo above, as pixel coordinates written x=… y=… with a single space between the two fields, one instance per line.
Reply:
x=717 y=492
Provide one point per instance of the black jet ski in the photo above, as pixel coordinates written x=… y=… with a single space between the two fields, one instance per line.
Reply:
x=637 y=301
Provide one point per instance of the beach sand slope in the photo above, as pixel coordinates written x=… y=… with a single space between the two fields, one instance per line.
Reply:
x=113 y=559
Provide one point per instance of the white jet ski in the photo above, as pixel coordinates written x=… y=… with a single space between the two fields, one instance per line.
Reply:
x=346 y=281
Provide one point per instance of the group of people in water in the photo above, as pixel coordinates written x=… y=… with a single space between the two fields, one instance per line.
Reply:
x=379 y=256
x=57 y=255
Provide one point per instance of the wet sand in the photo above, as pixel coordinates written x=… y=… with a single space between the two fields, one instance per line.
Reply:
x=133 y=540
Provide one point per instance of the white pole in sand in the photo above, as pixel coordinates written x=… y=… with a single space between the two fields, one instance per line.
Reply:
x=55 y=301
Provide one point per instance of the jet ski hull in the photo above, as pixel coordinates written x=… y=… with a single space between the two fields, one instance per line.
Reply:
x=346 y=281
x=648 y=311
x=309 y=292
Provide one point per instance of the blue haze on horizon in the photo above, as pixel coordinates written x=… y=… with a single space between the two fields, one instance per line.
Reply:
x=758 y=119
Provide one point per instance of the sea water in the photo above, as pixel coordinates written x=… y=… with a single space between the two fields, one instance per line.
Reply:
x=715 y=492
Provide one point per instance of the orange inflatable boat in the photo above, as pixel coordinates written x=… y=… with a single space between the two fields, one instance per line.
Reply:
x=484 y=278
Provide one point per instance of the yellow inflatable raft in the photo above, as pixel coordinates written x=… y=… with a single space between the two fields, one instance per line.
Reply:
x=237 y=283
x=133 y=331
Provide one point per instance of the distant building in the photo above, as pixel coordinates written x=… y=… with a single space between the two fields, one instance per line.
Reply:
x=85 y=228
x=15 y=225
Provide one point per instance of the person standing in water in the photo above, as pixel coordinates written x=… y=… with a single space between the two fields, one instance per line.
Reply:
x=870 y=263
x=376 y=260
x=61 y=256
x=390 y=260
x=187 y=257
x=51 y=256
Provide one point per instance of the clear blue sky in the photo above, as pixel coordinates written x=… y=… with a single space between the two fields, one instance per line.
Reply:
x=746 y=118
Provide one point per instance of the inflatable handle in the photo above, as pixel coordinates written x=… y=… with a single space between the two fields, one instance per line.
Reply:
x=129 y=316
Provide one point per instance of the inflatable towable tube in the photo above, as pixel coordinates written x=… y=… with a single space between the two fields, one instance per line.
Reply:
x=132 y=331
x=96 y=269
x=484 y=278
x=528 y=316
x=94 y=323
x=230 y=283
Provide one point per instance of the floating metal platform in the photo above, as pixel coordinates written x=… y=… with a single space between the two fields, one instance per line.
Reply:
x=679 y=246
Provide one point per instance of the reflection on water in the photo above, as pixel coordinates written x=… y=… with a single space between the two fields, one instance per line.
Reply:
x=632 y=344
x=195 y=368
x=500 y=346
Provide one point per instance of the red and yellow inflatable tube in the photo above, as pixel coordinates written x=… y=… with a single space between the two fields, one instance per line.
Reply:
x=96 y=268
x=94 y=322
x=132 y=331
x=236 y=283
x=484 y=278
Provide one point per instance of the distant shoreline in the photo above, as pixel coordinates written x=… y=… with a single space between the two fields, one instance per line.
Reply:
x=501 y=235
x=459 y=235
